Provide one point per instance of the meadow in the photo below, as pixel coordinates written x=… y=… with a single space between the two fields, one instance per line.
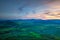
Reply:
x=31 y=29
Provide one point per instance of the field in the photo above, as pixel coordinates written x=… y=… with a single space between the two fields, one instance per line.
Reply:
x=31 y=29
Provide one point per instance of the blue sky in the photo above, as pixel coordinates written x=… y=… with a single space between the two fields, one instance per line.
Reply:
x=16 y=9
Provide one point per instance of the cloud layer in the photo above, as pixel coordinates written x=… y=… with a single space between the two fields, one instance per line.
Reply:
x=53 y=11
x=30 y=9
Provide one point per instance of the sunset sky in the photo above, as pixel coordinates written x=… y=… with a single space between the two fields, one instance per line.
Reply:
x=29 y=9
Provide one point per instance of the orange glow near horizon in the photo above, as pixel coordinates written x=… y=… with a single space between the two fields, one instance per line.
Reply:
x=54 y=9
x=52 y=15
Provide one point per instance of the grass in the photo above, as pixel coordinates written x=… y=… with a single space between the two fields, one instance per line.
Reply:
x=27 y=31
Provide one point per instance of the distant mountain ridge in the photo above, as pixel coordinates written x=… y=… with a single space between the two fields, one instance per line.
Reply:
x=35 y=20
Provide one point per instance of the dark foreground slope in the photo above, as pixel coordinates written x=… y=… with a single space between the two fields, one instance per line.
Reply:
x=30 y=29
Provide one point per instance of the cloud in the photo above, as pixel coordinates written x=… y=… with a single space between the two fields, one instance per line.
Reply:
x=52 y=15
x=44 y=16
x=54 y=5
x=31 y=9
x=52 y=11
x=32 y=4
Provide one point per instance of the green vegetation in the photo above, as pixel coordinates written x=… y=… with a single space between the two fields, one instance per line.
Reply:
x=20 y=30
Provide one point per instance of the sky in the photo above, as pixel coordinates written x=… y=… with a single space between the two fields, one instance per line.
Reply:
x=30 y=9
